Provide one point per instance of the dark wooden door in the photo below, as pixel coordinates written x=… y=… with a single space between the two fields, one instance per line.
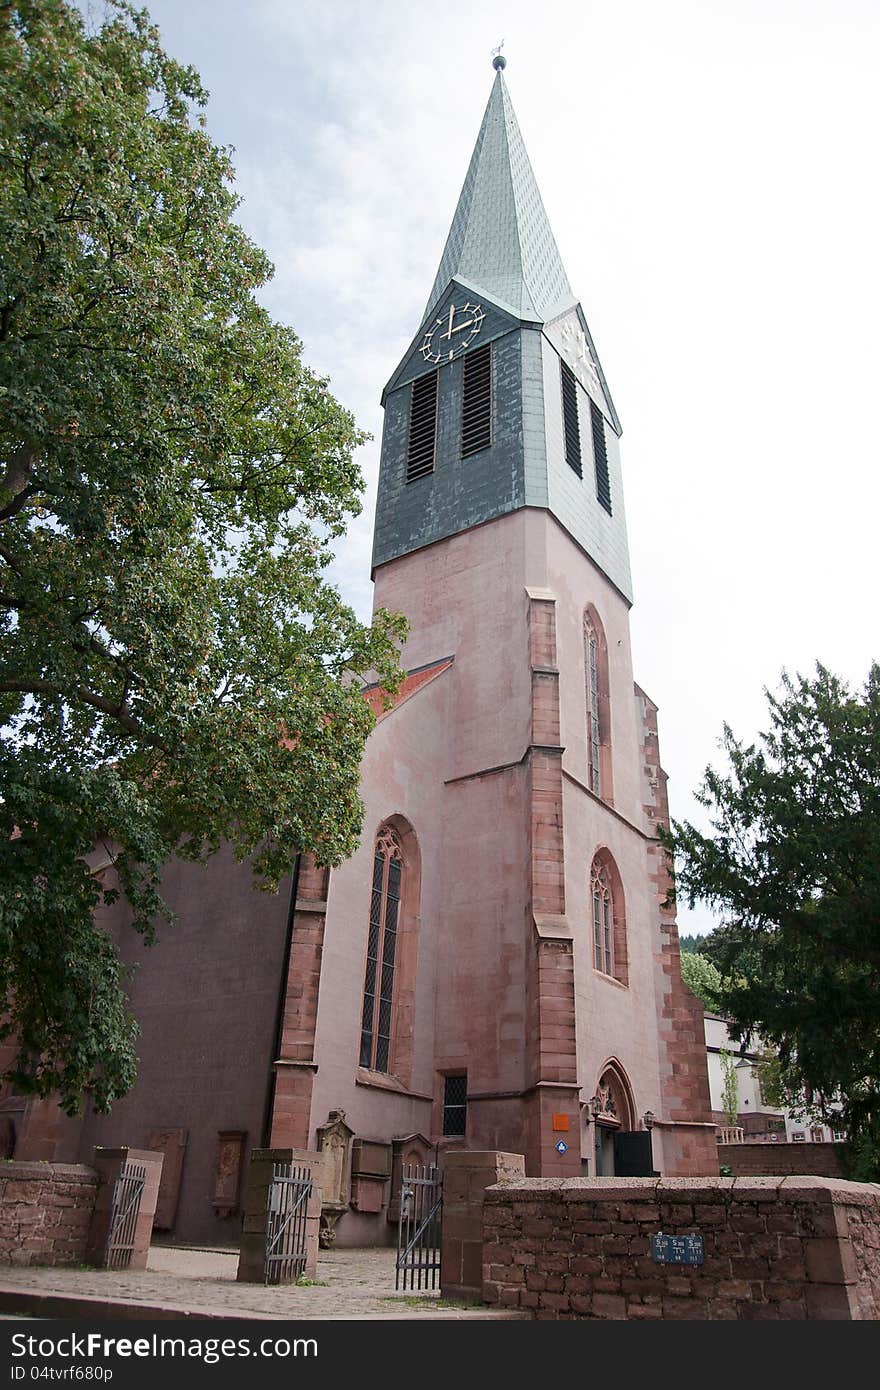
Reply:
x=633 y=1156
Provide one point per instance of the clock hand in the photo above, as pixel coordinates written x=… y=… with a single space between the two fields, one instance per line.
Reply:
x=458 y=327
x=448 y=333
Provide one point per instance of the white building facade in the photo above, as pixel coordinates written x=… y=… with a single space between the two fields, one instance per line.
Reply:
x=757 y=1121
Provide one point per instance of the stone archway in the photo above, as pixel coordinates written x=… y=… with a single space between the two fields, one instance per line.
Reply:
x=618 y=1147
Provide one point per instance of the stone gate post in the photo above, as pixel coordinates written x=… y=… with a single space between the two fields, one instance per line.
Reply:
x=108 y=1164
x=252 y=1256
x=465 y=1179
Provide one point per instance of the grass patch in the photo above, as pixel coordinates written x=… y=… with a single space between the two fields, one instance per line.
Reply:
x=429 y=1301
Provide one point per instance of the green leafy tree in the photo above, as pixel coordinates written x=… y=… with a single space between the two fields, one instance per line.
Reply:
x=775 y=1092
x=703 y=978
x=729 y=1088
x=175 y=671
x=792 y=862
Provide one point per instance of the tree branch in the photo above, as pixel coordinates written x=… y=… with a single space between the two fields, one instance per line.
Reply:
x=17 y=480
x=10 y=559
x=87 y=697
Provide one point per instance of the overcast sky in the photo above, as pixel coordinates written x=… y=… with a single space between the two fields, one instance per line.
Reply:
x=710 y=171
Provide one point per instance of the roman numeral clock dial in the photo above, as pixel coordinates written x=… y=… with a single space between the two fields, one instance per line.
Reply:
x=450 y=334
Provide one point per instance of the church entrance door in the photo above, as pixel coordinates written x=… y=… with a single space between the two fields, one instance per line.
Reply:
x=623 y=1153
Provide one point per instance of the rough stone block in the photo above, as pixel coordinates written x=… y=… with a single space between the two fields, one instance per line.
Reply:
x=829 y=1261
x=608 y=1305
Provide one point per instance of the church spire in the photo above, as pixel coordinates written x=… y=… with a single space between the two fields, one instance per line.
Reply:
x=500 y=243
x=499 y=402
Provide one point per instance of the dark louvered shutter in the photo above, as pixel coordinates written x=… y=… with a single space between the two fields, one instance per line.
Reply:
x=476 y=401
x=422 y=427
x=600 y=454
x=570 y=420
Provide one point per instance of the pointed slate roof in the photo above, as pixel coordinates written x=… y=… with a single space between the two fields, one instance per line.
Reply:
x=500 y=239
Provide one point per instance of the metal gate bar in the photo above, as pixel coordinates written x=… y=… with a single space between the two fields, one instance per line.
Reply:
x=286 y=1214
x=127 y=1192
x=418 y=1231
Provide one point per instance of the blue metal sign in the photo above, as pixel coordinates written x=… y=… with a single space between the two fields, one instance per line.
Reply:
x=677 y=1250
x=562 y=1147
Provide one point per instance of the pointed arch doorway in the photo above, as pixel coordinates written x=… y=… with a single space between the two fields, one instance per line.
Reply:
x=619 y=1148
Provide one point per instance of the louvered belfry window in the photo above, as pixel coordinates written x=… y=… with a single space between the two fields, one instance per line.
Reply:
x=570 y=420
x=476 y=401
x=600 y=454
x=422 y=427
x=381 y=951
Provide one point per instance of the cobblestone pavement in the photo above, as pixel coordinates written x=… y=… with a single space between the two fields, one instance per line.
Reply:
x=200 y=1282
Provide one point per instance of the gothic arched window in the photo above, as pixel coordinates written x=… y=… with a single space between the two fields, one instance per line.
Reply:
x=598 y=706
x=603 y=920
x=381 y=951
x=609 y=921
x=592 y=652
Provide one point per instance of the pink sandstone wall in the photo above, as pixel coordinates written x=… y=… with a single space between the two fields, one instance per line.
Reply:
x=687 y=1131
x=206 y=999
x=664 y=1064
x=452 y=762
x=436 y=762
x=295 y=1066
x=465 y=597
x=783 y=1160
x=780 y=1248
x=45 y=1212
x=400 y=780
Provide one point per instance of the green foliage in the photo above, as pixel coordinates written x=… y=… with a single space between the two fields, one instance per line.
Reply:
x=729 y=1088
x=793 y=863
x=174 y=670
x=775 y=1088
x=703 y=978
x=691 y=944
x=861 y=1157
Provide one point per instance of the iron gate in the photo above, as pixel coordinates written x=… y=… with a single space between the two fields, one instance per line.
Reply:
x=287 y=1208
x=127 y=1192
x=418 y=1231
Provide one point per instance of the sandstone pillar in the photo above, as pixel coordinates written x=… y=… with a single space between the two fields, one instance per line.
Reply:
x=465 y=1179
x=252 y=1256
x=109 y=1164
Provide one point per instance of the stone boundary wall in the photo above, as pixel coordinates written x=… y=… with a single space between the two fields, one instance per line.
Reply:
x=45 y=1212
x=782 y=1160
x=774 y=1248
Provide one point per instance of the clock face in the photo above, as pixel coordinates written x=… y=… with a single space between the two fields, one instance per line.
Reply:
x=577 y=350
x=450 y=334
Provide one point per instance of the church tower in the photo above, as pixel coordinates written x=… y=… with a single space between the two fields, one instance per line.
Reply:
x=543 y=995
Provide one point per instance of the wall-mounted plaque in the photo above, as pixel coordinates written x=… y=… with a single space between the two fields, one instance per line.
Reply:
x=677 y=1250
x=171 y=1143
x=227 y=1176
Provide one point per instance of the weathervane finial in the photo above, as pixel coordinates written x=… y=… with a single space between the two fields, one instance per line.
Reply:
x=498 y=59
